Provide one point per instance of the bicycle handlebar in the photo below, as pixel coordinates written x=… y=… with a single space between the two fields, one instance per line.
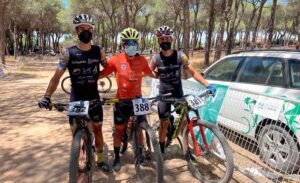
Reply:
x=182 y=99
x=59 y=106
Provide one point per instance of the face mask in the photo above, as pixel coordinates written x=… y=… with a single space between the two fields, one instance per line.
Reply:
x=165 y=46
x=131 y=50
x=85 y=36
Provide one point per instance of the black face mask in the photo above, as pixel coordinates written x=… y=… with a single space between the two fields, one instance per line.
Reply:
x=165 y=46
x=85 y=36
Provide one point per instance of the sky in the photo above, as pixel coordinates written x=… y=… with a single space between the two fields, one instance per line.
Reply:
x=65 y=2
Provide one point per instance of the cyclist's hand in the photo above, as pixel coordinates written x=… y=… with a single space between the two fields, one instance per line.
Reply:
x=212 y=90
x=45 y=103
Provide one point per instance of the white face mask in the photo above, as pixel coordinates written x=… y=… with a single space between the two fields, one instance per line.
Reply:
x=131 y=50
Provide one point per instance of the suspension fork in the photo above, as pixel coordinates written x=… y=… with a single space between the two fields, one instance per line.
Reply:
x=194 y=140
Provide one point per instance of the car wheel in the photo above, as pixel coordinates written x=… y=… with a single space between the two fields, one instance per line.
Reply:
x=278 y=148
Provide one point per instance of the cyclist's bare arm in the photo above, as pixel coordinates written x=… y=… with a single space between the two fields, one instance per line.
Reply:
x=196 y=75
x=103 y=61
x=108 y=69
x=153 y=68
x=54 y=82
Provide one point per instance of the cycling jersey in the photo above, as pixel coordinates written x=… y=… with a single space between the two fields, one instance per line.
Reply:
x=129 y=73
x=83 y=67
x=169 y=72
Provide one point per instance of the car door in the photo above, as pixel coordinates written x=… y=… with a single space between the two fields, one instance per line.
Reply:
x=257 y=77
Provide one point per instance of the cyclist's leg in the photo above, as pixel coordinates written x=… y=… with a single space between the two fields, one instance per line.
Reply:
x=121 y=115
x=164 y=113
x=96 y=115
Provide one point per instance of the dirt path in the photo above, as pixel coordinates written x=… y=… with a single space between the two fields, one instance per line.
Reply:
x=35 y=143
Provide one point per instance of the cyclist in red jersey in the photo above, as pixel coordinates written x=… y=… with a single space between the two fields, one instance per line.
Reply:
x=129 y=68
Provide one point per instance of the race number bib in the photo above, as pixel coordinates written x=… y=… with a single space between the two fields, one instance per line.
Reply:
x=194 y=101
x=78 y=108
x=141 y=107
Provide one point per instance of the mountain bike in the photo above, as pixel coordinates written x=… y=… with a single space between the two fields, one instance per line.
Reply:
x=138 y=123
x=104 y=85
x=205 y=148
x=82 y=158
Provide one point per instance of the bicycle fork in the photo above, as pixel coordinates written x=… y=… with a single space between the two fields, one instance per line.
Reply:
x=190 y=127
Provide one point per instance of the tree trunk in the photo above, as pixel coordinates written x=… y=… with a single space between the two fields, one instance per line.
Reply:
x=230 y=37
x=254 y=34
x=248 y=27
x=3 y=8
x=219 y=43
x=209 y=32
x=271 y=25
x=186 y=27
x=126 y=13
x=15 y=40
x=186 y=33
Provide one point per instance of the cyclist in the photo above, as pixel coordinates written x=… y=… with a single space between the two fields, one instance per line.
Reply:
x=129 y=68
x=82 y=61
x=168 y=63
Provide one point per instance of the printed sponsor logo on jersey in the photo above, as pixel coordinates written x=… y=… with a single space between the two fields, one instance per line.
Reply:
x=87 y=71
x=79 y=62
x=90 y=61
x=91 y=81
x=76 y=71
x=123 y=66
x=95 y=70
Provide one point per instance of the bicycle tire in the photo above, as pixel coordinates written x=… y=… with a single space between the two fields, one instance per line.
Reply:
x=100 y=83
x=226 y=153
x=74 y=168
x=127 y=136
x=156 y=154
x=63 y=85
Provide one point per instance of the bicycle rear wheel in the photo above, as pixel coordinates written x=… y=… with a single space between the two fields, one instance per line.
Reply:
x=151 y=171
x=80 y=167
x=216 y=162
x=66 y=85
x=104 y=85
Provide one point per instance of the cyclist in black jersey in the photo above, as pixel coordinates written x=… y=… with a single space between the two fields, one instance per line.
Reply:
x=82 y=62
x=167 y=64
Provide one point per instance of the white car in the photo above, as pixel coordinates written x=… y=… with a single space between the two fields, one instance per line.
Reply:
x=258 y=96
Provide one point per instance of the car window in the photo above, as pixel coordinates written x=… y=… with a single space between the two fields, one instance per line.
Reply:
x=262 y=70
x=294 y=68
x=224 y=70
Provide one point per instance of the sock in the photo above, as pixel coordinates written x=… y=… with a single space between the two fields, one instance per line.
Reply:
x=117 y=152
x=100 y=157
x=162 y=147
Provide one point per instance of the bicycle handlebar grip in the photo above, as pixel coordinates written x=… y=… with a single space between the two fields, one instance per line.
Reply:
x=206 y=92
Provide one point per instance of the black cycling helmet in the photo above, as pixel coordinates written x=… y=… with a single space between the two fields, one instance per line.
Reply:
x=83 y=19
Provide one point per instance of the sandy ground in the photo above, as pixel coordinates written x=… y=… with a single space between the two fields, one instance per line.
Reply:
x=35 y=143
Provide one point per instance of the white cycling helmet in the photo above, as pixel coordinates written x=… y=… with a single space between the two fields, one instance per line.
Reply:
x=83 y=19
x=164 y=31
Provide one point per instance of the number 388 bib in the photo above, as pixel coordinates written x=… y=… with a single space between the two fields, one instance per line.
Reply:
x=141 y=107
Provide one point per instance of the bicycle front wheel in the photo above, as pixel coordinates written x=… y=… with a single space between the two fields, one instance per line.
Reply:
x=66 y=85
x=105 y=85
x=80 y=167
x=151 y=171
x=215 y=163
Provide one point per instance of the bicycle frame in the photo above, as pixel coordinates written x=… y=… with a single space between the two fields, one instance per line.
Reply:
x=180 y=125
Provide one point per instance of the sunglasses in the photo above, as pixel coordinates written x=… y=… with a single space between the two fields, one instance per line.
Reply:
x=130 y=42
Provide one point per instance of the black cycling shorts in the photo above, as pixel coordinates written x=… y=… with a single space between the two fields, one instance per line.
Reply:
x=122 y=113
x=95 y=112
x=164 y=110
